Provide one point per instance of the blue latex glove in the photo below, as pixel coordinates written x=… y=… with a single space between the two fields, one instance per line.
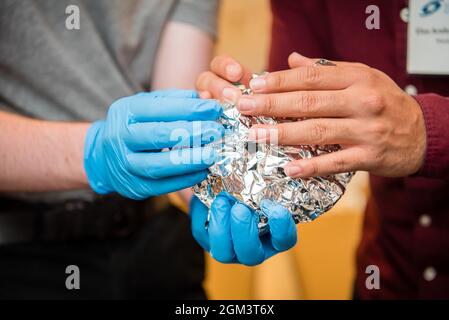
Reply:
x=232 y=235
x=124 y=153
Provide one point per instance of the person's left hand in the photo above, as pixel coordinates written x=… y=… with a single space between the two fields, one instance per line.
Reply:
x=232 y=235
x=379 y=126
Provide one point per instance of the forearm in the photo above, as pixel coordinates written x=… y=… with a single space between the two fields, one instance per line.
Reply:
x=173 y=72
x=183 y=54
x=40 y=155
x=436 y=116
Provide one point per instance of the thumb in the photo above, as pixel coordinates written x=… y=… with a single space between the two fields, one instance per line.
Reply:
x=282 y=225
x=296 y=60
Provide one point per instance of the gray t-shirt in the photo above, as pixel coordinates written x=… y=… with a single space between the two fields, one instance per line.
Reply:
x=50 y=72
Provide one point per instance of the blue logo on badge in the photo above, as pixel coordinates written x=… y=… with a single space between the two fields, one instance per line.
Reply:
x=431 y=7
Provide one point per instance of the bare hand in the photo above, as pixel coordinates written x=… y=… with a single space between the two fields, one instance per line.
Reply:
x=380 y=127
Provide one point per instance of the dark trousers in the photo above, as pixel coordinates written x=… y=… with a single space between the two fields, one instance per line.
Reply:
x=160 y=261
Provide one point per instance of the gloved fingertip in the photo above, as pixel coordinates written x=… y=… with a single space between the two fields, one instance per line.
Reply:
x=213 y=106
x=284 y=244
x=219 y=129
x=208 y=155
x=223 y=256
x=276 y=211
x=254 y=261
x=282 y=228
x=193 y=179
x=212 y=131
x=220 y=205
x=241 y=213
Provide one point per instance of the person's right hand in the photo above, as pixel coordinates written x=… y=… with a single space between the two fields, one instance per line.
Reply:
x=233 y=234
x=218 y=82
x=124 y=153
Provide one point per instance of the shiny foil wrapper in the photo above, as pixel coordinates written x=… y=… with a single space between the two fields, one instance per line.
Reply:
x=251 y=172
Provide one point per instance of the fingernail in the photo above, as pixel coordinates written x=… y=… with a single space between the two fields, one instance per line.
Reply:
x=246 y=104
x=293 y=171
x=233 y=70
x=258 y=83
x=230 y=95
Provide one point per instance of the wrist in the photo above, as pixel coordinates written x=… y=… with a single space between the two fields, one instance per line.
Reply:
x=94 y=164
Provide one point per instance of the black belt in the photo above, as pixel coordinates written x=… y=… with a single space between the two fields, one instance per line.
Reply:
x=106 y=217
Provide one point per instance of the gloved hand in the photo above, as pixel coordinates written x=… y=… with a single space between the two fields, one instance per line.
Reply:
x=124 y=153
x=232 y=235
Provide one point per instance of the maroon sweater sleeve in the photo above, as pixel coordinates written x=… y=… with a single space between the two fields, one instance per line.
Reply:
x=436 y=116
x=298 y=26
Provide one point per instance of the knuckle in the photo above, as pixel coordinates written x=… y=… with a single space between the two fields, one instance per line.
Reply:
x=336 y=100
x=270 y=104
x=252 y=261
x=319 y=133
x=281 y=133
x=306 y=103
x=223 y=257
x=314 y=168
x=378 y=132
x=371 y=75
x=216 y=88
x=339 y=165
x=374 y=103
x=311 y=76
x=340 y=101
x=363 y=75
x=372 y=157
x=164 y=136
x=279 y=80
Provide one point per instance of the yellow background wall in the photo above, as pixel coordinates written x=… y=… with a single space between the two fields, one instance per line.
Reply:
x=321 y=266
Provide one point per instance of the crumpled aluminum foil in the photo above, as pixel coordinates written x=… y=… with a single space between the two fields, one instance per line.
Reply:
x=251 y=172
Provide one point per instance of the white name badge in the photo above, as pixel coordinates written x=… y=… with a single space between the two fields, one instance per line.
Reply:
x=428 y=37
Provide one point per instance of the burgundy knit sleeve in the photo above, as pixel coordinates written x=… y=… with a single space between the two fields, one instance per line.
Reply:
x=436 y=116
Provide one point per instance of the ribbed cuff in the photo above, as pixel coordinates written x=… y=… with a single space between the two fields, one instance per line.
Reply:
x=435 y=109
